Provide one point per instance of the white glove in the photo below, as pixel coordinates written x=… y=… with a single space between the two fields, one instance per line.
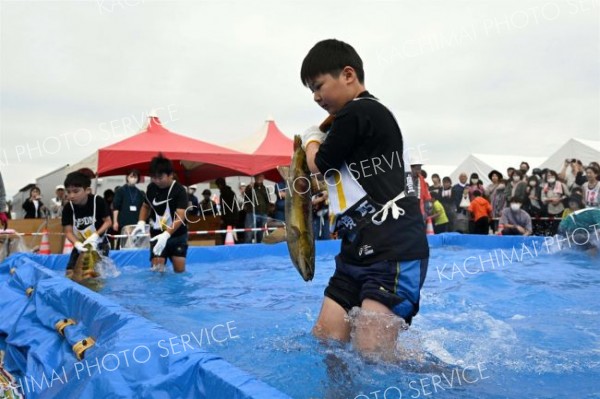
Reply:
x=93 y=239
x=139 y=229
x=79 y=246
x=161 y=242
x=312 y=134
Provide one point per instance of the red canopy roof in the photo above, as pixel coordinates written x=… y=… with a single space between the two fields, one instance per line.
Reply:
x=205 y=161
x=268 y=142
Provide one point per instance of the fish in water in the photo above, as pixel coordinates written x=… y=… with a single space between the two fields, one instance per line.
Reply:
x=85 y=268
x=298 y=214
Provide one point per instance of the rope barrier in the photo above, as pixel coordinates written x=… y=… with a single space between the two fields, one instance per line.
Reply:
x=14 y=233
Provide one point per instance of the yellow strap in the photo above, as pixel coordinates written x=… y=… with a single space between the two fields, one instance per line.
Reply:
x=80 y=347
x=340 y=192
x=62 y=324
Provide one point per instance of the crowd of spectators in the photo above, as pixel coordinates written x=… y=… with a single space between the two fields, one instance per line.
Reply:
x=522 y=202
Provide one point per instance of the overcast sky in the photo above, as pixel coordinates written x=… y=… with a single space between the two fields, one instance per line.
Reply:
x=495 y=76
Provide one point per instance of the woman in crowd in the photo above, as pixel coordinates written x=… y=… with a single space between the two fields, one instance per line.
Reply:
x=436 y=187
x=448 y=202
x=591 y=188
x=474 y=185
x=495 y=193
x=516 y=187
x=533 y=200
x=554 y=193
x=33 y=206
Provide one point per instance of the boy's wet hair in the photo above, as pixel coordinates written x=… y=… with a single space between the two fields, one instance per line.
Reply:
x=160 y=165
x=330 y=56
x=77 y=179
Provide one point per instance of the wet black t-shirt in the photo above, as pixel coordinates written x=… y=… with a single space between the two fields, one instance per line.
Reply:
x=84 y=214
x=157 y=200
x=366 y=137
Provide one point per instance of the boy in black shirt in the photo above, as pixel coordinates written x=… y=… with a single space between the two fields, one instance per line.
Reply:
x=85 y=218
x=383 y=260
x=165 y=204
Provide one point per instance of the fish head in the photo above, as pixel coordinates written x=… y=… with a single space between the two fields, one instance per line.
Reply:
x=305 y=260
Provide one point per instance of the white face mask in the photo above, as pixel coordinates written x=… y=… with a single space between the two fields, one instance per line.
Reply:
x=515 y=207
x=132 y=180
x=532 y=183
x=474 y=181
x=551 y=180
x=516 y=178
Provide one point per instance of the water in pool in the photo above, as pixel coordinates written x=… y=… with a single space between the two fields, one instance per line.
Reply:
x=523 y=329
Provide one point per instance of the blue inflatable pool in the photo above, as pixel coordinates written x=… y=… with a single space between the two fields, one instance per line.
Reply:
x=500 y=317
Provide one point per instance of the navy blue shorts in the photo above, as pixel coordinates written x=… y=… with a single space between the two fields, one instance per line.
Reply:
x=395 y=284
x=176 y=246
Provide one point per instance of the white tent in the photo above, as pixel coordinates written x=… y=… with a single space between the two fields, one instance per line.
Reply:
x=90 y=162
x=584 y=150
x=482 y=164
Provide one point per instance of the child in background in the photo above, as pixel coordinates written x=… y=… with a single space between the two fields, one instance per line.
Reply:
x=575 y=204
x=440 y=220
x=165 y=203
x=85 y=218
x=481 y=211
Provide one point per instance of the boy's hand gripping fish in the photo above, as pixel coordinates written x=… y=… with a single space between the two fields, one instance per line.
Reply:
x=85 y=268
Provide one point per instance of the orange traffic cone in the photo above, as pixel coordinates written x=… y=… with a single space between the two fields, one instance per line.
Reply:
x=68 y=247
x=229 y=236
x=429 y=228
x=45 y=244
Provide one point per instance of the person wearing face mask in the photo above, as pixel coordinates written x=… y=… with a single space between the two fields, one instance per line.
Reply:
x=127 y=202
x=458 y=189
x=516 y=186
x=448 y=202
x=524 y=168
x=553 y=193
x=475 y=185
x=495 y=193
x=591 y=188
x=514 y=221
x=533 y=198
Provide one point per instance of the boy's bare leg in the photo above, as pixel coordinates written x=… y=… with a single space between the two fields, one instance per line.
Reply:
x=332 y=322
x=178 y=264
x=376 y=330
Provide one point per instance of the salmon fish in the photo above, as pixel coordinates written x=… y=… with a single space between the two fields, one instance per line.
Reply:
x=298 y=214
x=85 y=268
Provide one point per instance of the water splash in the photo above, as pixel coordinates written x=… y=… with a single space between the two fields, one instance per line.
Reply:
x=107 y=268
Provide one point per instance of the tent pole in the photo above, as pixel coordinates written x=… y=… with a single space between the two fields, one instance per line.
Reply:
x=253 y=209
